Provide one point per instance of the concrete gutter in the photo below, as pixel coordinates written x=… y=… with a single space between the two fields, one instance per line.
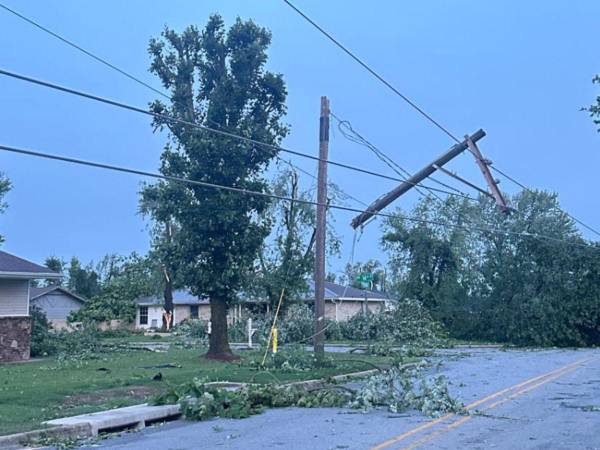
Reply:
x=136 y=416
x=24 y=440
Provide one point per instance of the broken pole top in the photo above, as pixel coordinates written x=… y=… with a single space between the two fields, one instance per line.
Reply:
x=415 y=179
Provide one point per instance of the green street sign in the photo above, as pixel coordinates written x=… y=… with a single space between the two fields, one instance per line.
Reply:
x=364 y=278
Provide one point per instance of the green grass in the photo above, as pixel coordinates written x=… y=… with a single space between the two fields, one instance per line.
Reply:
x=33 y=392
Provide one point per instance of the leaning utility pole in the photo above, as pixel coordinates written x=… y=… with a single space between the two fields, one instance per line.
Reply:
x=319 y=340
x=414 y=180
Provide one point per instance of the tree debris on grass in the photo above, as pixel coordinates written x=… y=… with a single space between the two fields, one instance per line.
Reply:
x=398 y=388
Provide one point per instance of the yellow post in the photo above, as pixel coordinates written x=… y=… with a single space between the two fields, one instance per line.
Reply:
x=274 y=340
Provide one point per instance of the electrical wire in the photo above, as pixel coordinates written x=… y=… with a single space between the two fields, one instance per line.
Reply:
x=82 y=50
x=239 y=190
x=508 y=177
x=157 y=91
x=168 y=118
x=406 y=99
x=372 y=71
x=324 y=32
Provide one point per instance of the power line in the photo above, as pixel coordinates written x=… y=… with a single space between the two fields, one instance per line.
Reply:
x=372 y=71
x=323 y=31
x=139 y=81
x=356 y=137
x=244 y=191
x=405 y=98
x=508 y=177
x=82 y=50
x=168 y=118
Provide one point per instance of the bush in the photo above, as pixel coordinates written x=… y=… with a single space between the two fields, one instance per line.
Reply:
x=192 y=328
x=297 y=325
x=82 y=343
x=42 y=340
x=410 y=323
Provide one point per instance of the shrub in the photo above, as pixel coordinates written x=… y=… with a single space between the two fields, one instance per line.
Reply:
x=192 y=328
x=83 y=343
x=42 y=340
x=297 y=325
x=410 y=323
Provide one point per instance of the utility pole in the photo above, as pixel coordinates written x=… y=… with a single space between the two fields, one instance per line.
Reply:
x=411 y=182
x=485 y=170
x=319 y=340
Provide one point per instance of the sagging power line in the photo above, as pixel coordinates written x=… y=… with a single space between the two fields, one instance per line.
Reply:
x=406 y=99
x=354 y=136
x=325 y=33
x=168 y=118
x=243 y=191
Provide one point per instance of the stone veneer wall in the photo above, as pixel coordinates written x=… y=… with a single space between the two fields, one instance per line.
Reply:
x=15 y=338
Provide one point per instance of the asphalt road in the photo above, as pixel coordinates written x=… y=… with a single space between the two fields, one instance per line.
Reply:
x=517 y=400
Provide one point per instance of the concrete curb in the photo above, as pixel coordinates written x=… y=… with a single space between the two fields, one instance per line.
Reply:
x=23 y=440
x=138 y=416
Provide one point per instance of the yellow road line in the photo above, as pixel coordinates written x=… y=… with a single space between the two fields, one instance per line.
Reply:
x=472 y=405
x=464 y=419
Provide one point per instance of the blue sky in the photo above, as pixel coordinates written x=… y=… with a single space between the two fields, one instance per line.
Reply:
x=519 y=70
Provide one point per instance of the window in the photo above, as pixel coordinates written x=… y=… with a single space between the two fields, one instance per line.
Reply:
x=143 y=315
x=194 y=311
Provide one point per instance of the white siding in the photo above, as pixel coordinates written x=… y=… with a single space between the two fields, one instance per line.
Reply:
x=14 y=298
x=154 y=317
x=56 y=305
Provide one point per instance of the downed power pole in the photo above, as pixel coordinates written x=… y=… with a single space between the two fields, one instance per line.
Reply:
x=411 y=182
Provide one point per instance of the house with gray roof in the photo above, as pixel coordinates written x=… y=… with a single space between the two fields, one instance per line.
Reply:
x=56 y=302
x=150 y=309
x=343 y=302
x=185 y=306
x=15 y=325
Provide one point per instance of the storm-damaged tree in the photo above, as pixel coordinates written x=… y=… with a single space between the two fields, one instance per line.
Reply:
x=287 y=257
x=163 y=254
x=217 y=78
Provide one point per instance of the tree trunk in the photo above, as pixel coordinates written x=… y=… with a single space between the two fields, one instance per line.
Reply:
x=168 y=306
x=218 y=345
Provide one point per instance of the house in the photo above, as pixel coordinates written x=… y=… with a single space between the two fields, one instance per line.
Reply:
x=343 y=302
x=15 y=325
x=56 y=302
x=185 y=306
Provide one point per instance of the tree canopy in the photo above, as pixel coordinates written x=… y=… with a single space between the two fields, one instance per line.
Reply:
x=217 y=78
x=524 y=278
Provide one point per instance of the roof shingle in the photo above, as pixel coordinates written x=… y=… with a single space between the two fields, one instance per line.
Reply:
x=13 y=266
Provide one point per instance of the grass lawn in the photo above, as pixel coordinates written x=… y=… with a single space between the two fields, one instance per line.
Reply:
x=33 y=392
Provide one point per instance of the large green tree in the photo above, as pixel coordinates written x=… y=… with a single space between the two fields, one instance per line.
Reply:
x=217 y=77
x=523 y=278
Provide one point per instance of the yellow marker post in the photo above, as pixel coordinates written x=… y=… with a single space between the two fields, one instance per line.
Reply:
x=274 y=340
